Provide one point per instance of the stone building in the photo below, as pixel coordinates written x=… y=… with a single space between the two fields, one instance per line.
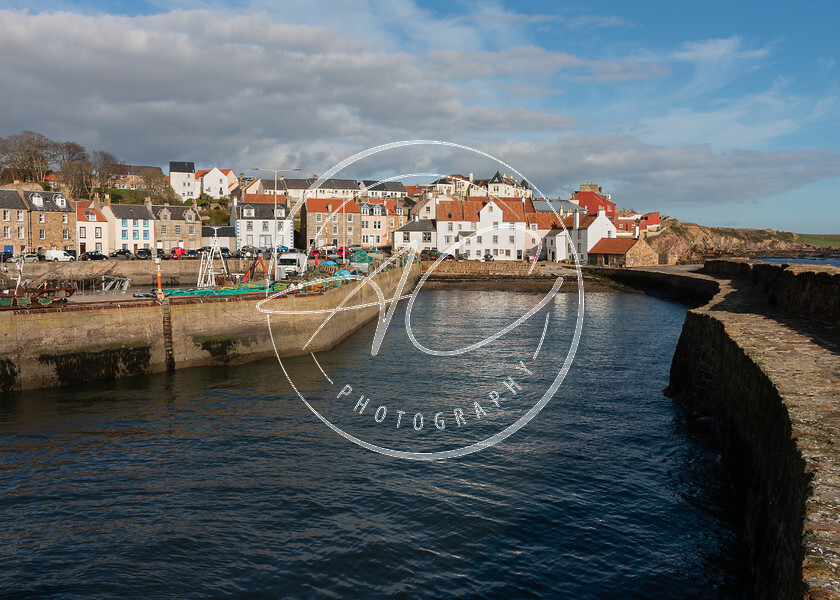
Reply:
x=14 y=222
x=326 y=221
x=176 y=226
x=623 y=252
x=52 y=221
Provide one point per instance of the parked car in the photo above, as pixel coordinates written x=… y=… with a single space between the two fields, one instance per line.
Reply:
x=6 y=255
x=190 y=254
x=59 y=256
x=176 y=253
x=249 y=251
x=93 y=255
x=161 y=254
x=123 y=253
x=143 y=254
x=28 y=257
x=225 y=252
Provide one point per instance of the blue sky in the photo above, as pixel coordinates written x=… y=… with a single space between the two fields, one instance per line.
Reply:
x=715 y=113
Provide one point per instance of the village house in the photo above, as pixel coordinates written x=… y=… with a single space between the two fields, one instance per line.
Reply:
x=258 y=225
x=422 y=233
x=216 y=183
x=382 y=189
x=475 y=228
x=334 y=221
x=592 y=198
x=130 y=226
x=623 y=252
x=92 y=231
x=52 y=221
x=13 y=221
x=630 y=225
x=176 y=226
x=581 y=233
x=182 y=180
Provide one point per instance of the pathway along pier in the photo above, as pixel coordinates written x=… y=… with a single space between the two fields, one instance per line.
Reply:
x=761 y=355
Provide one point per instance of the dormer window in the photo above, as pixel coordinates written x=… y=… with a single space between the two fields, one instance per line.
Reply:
x=90 y=215
x=59 y=199
x=164 y=216
x=248 y=212
x=377 y=210
x=365 y=210
x=37 y=200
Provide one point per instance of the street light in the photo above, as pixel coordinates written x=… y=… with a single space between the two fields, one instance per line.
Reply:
x=274 y=216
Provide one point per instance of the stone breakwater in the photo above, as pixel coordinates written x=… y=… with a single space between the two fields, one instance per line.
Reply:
x=76 y=343
x=762 y=357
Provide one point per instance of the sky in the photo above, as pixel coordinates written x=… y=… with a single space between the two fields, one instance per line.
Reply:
x=723 y=114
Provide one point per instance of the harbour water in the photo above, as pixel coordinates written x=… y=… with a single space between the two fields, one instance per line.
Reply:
x=220 y=482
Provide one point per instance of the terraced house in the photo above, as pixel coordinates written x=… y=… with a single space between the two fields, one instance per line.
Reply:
x=52 y=221
x=14 y=222
x=176 y=226
x=130 y=226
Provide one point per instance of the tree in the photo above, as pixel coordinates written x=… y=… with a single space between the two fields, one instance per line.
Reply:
x=104 y=170
x=157 y=185
x=75 y=167
x=29 y=154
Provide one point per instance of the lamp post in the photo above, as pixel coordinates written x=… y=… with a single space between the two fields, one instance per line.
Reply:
x=274 y=215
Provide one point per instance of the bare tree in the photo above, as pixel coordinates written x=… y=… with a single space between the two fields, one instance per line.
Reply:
x=157 y=185
x=29 y=154
x=104 y=170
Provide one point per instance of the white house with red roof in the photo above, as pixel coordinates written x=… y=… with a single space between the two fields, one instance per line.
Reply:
x=475 y=228
x=92 y=228
x=581 y=234
x=216 y=183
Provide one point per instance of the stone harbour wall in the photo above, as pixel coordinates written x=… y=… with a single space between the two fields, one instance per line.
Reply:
x=72 y=344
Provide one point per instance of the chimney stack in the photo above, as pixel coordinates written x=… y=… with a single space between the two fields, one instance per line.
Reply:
x=97 y=202
x=636 y=231
x=577 y=220
x=107 y=199
x=148 y=202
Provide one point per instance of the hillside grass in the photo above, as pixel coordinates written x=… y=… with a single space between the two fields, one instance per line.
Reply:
x=819 y=239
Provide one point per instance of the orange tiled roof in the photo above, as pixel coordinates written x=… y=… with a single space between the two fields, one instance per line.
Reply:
x=613 y=246
x=263 y=198
x=87 y=205
x=320 y=205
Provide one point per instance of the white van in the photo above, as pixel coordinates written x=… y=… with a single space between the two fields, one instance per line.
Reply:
x=59 y=256
x=291 y=263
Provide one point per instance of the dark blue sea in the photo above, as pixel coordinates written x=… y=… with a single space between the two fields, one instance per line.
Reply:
x=221 y=483
x=808 y=260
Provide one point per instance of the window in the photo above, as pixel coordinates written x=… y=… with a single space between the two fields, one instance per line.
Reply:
x=82 y=232
x=495 y=252
x=349 y=229
x=467 y=242
x=177 y=230
x=189 y=217
x=249 y=226
x=449 y=226
x=495 y=239
x=42 y=234
x=365 y=224
x=64 y=218
x=490 y=206
x=335 y=230
x=428 y=209
x=377 y=224
x=478 y=239
x=317 y=217
x=99 y=246
x=20 y=233
x=42 y=218
x=146 y=235
x=350 y=218
x=512 y=226
x=97 y=233
x=364 y=239
x=163 y=229
x=265 y=225
x=427 y=237
x=37 y=200
x=377 y=210
x=20 y=215
x=406 y=236
x=495 y=224
x=145 y=222
x=65 y=234
x=164 y=216
x=192 y=229
x=135 y=222
x=507 y=252
x=135 y=235
x=248 y=212
x=7 y=233
x=125 y=234
x=7 y=215
x=335 y=217
x=533 y=226
x=125 y=222
x=511 y=239
x=365 y=210
x=447 y=239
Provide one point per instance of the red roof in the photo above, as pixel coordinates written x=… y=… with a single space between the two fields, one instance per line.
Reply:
x=513 y=209
x=613 y=246
x=544 y=220
x=339 y=205
x=413 y=190
x=87 y=205
x=584 y=222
